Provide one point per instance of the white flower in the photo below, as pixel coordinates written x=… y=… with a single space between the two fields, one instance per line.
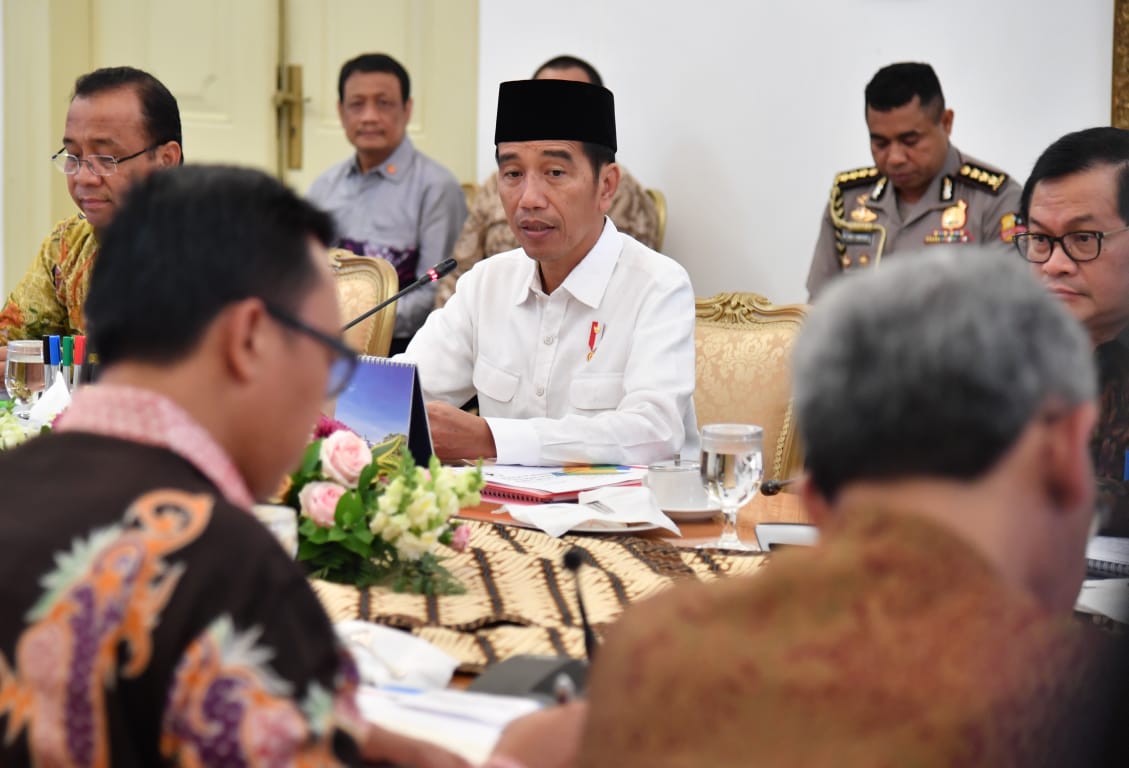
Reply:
x=12 y=432
x=395 y=526
x=410 y=546
x=379 y=523
x=421 y=509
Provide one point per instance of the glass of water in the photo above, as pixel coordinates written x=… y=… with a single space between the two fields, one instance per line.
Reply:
x=732 y=469
x=23 y=373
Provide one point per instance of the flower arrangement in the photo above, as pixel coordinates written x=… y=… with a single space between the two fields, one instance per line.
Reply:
x=14 y=430
x=371 y=516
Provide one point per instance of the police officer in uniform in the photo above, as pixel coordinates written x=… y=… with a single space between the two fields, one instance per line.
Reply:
x=922 y=191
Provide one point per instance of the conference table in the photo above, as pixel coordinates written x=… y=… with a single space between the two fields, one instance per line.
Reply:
x=781 y=508
x=520 y=599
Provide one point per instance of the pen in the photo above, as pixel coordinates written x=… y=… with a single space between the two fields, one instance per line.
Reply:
x=79 y=359
x=51 y=361
x=68 y=361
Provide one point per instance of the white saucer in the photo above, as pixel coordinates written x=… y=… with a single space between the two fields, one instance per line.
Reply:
x=693 y=515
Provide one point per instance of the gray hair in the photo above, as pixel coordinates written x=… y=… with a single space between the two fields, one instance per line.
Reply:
x=932 y=365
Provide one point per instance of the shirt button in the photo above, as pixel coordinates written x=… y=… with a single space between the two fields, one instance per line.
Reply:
x=540 y=391
x=548 y=340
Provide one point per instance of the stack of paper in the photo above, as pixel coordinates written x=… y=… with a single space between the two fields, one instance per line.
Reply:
x=534 y=485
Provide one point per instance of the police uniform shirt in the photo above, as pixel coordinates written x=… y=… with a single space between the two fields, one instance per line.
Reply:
x=967 y=203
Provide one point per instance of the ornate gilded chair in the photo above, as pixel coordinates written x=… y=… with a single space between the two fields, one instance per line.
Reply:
x=659 y=199
x=362 y=283
x=744 y=347
x=470 y=191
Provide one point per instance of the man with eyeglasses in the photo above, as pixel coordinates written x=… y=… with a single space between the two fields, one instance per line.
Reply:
x=1075 y=206
x=148 y=618
x=121 y=125
x=921 y=192
x=389 y=199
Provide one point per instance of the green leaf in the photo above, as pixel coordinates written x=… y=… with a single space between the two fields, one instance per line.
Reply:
x=349 y=510
x=311 y=458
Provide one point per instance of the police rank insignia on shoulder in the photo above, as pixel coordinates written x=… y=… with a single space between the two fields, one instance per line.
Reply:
x=983 y=178
x=862 y=213
x=856 y=177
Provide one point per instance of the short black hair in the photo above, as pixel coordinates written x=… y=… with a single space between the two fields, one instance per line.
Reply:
x=1081 y=151
x=568 y=62
x=374 y=62
x=188 y=242
x=895 y=86
x=159 y=109
x=598 y=155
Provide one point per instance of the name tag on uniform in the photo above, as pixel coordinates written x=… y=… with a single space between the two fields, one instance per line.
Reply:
x=847 y=237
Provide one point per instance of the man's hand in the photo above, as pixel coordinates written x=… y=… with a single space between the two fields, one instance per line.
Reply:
x=459 y=435
x=3 y=356
x=382 y=746
x=549 y=738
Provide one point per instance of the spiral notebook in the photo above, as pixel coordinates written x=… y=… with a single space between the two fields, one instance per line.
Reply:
x=384 y=398
x=1107 y=556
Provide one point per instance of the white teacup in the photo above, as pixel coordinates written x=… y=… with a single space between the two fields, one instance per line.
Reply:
x=282 y=522
x=677 y=486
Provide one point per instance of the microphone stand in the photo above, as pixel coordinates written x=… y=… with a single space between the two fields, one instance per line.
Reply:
x=433 y=274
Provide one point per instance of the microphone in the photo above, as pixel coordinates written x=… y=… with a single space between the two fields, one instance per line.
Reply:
x=773 y=487
x=572 y=560
x=439 y=270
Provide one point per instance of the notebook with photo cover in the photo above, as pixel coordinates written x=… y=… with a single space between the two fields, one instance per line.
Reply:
x=384 y=398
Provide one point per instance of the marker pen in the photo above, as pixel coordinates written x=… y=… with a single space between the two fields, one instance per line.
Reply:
x=67 y=363
x=79 y=360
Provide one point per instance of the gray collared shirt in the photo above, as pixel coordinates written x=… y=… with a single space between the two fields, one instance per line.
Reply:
x=409 y=210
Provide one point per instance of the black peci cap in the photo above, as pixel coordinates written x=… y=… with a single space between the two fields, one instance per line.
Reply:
x=535 y=110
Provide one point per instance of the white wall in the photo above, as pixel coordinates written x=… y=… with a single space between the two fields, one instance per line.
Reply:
x=742 y=112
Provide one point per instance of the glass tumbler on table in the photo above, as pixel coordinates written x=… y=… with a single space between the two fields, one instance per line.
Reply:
x=23 y=373
x=732 y=469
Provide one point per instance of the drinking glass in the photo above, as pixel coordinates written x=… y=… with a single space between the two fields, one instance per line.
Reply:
x=732 y=468
x=23 y=373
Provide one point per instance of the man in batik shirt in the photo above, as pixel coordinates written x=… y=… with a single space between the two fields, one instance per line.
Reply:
x=148 y=618
x=122 y=124
x=931 y=626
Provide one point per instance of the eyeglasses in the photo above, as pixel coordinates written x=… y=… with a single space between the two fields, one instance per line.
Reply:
x=383 y=106
x=344 y=359
x=1085 y=245
x=99 y=165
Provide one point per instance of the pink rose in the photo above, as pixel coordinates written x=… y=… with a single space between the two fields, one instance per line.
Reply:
x=343 y=456
x=319 y=502
x=461 y=538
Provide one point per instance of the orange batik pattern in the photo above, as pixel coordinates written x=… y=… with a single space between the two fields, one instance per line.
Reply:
x=50 y=296
x=106 y=594
x=226 y=703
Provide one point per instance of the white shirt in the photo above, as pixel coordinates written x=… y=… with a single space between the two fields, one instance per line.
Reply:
x=549 y=396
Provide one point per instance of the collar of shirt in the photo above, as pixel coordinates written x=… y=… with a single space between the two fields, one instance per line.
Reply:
x=399 y=160
x=143 y=416
x=588 y=280
x=932 y=197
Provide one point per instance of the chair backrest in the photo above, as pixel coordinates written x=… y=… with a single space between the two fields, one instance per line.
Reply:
x=744 y=348
x=470 y=191
x=659 y=200
x=362 y=283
